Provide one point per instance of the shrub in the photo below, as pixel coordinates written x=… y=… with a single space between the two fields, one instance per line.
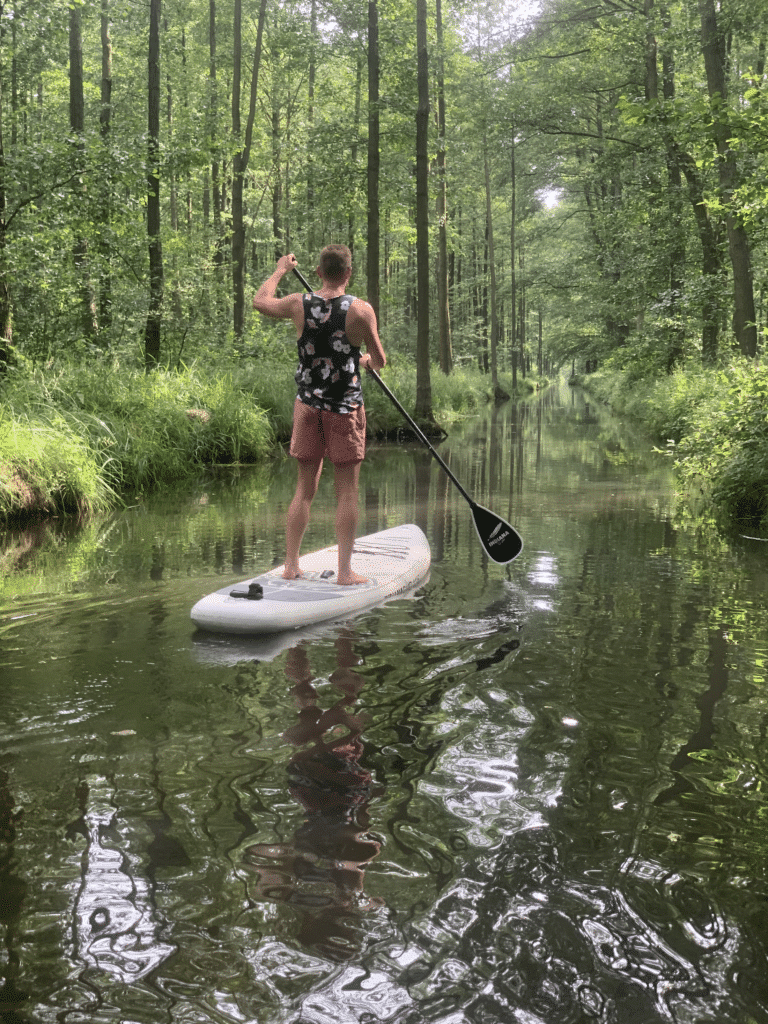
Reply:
x=727 y=445
x=717 y=420
x=48 y=467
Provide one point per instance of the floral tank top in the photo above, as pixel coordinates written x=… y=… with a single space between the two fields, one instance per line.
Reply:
x=328 y=375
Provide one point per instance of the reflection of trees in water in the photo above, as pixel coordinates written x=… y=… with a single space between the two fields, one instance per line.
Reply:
x=13 y=891
x=321 y=873
x=116 y=922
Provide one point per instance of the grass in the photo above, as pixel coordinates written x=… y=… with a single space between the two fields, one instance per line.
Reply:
x=78 y=437
x=714 y=425
x=81 y=437
x=48 y=467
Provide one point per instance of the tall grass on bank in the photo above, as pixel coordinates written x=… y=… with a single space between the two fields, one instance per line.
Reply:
x=460 y=394
x=714 y=424
x=48 y=467
x=79 y=437
x=76 y=437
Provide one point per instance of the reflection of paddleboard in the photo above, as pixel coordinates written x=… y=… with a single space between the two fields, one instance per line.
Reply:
x=393 y=560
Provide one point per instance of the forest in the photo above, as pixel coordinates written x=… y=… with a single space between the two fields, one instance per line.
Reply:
x=526 y=188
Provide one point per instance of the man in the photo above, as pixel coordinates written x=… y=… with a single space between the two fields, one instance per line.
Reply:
x=328 y=415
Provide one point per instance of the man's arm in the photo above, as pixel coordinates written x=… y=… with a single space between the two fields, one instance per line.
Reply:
x=362 y=330
x=290 y=307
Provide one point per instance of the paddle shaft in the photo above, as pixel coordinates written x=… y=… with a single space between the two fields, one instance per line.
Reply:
x=415 y=427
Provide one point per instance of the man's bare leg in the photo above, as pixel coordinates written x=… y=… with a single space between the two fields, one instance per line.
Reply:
x=346 y=477
x=298 y=515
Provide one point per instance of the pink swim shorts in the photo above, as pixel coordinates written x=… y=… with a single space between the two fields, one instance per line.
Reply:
x=318 y=434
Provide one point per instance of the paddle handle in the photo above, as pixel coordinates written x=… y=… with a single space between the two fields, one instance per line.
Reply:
x=303 y=279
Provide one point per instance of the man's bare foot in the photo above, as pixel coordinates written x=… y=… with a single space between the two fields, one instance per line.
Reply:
x=348 y=579
x=291 y=572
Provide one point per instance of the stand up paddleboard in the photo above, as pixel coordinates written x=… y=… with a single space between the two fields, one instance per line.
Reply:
x=394 y=561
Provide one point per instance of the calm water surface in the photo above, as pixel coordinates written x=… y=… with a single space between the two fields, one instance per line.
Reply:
x=532 y=793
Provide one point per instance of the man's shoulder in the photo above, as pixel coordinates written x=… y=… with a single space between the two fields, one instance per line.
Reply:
x=360 y=307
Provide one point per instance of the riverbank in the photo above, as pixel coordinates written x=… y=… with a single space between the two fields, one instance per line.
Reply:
x=713 y=424
x=78 y=439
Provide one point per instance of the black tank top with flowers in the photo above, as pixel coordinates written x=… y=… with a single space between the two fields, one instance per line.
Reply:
x=328 y=375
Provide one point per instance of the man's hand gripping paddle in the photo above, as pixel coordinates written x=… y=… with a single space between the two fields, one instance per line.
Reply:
x=501 y=541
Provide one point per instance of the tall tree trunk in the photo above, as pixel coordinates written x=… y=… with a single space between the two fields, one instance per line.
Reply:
x=483 y=362
x=423 y=382
x=521 y=311
x=675 y=179
x=713 y=48
x=173 y=196
x=6 y=305
x=77 y=124
x=155 y=311
x=492 y=268
x=310 y=212
x=513 y=260
x=711 y=259
x=374 y=160
x=675 y=335
x=105 y=127
x=216 y=200
x=445 y=347
x=351 y=218
x=680 y=163
x=240 y=163
x=14 y=79
x=540 y=360
x=277 y=228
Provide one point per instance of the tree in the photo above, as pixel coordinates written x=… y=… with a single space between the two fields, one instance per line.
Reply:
x=77 y=124
x=6 y=307
x=241 y=159
x=152 y=330
x=374 y=159
x=105 y=125
x=423 y=383
x=445 y=348
x=492 y=272
x=713 y=43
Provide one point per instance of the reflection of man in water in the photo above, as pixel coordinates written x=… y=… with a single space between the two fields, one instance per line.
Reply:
x=321 y=874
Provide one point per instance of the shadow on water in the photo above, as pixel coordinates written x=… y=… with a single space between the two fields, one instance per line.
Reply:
x=526 y=794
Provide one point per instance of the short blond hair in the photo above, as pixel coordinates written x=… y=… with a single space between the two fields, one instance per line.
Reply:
x=335 y=262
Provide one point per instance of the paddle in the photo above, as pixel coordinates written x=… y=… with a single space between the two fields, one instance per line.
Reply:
x=501 y=541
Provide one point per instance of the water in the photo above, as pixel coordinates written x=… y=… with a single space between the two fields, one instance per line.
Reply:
x=528 y=794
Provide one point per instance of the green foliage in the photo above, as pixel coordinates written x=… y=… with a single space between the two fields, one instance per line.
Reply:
x=714 y=424
x=727 y=446
x=45 y=465
x=77 y=437
x=119 y=430
x=667 y=405
x=453 y=397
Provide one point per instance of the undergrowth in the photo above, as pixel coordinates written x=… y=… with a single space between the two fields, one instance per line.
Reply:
x=74 y=436
x=81 y=437
x=714 y=425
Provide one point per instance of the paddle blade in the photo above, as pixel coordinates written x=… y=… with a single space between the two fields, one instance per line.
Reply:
x=501 y=541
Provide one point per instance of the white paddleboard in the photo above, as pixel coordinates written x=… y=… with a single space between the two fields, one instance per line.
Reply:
x=394 y=561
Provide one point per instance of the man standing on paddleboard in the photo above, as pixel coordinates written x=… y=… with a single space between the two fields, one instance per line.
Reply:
x=328 y=415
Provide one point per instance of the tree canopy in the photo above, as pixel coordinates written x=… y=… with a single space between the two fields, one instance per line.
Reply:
x=569 y=183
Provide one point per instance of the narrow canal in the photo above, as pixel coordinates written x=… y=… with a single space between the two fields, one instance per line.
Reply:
x=533 y=793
